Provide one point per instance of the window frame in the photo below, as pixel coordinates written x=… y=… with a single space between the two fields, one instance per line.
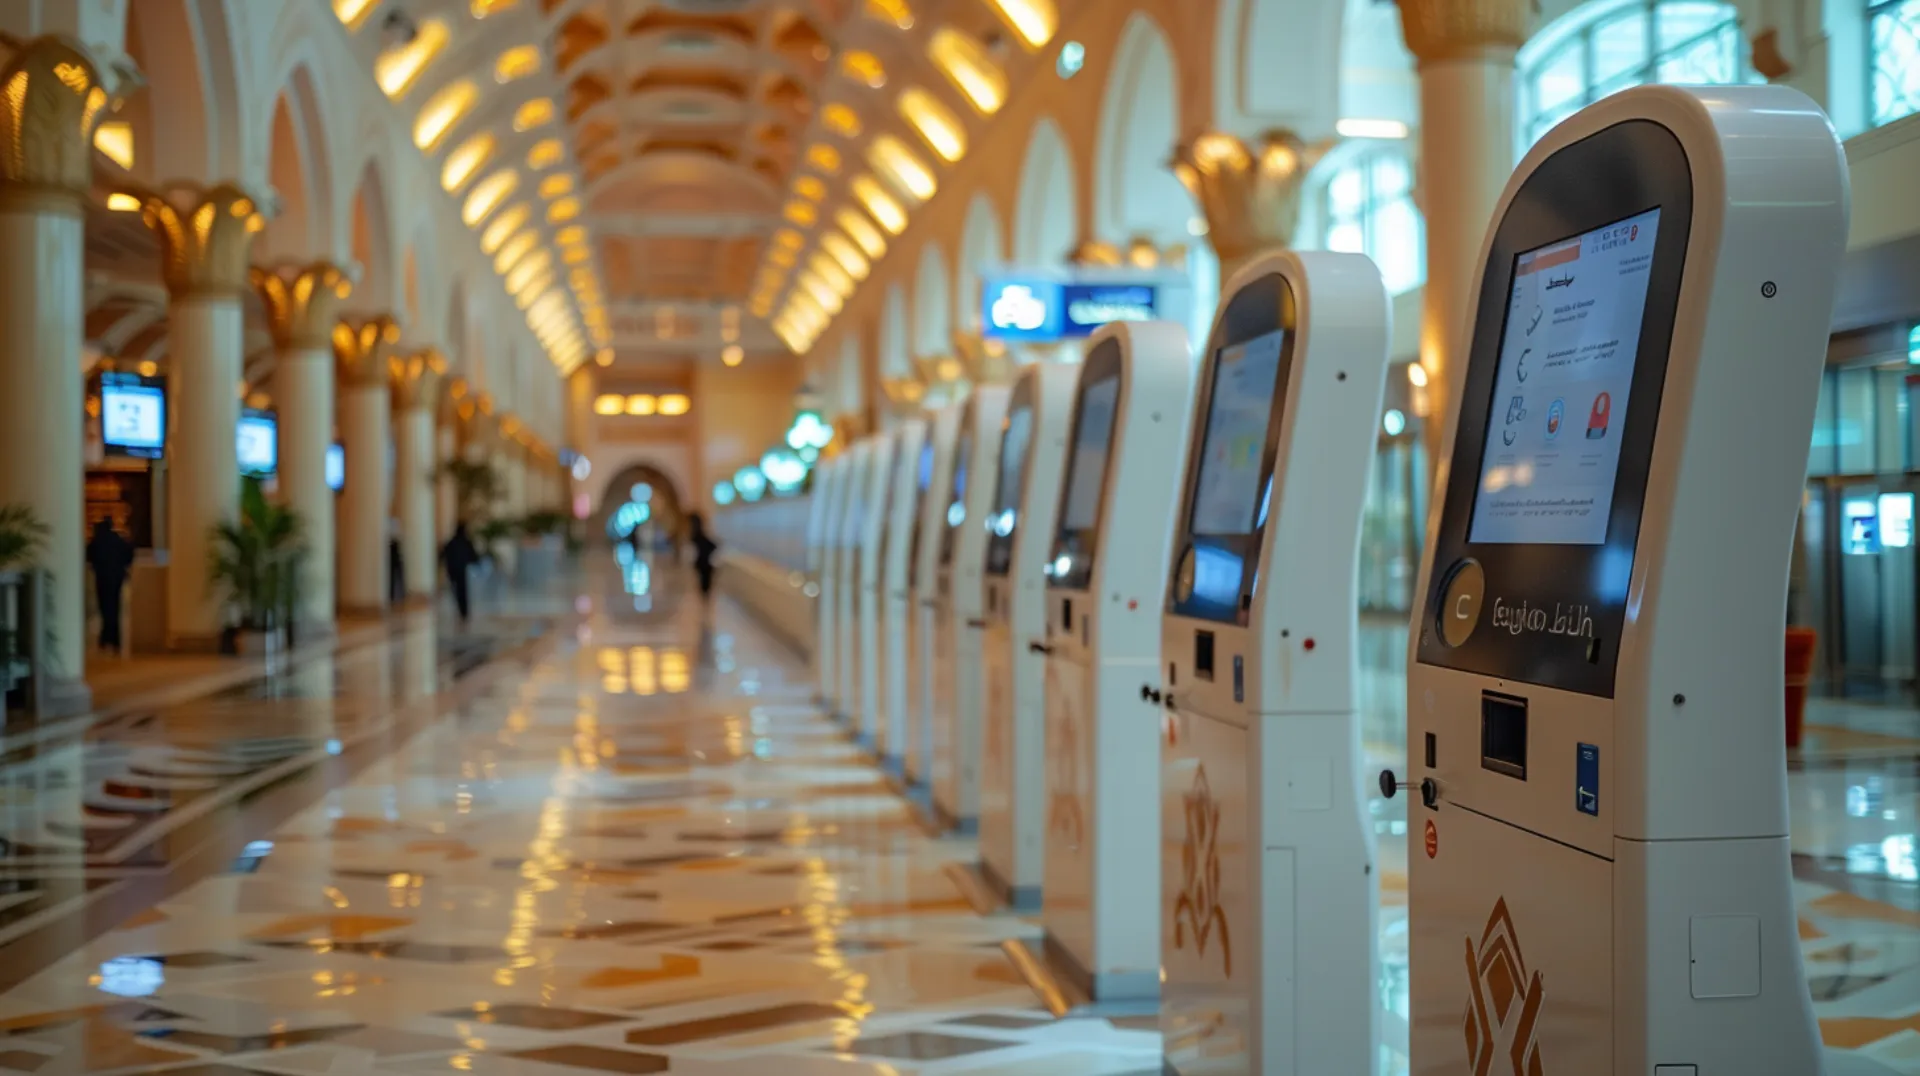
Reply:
x=1875 y=10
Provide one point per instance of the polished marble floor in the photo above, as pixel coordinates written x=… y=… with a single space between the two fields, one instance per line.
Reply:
x=607 y=831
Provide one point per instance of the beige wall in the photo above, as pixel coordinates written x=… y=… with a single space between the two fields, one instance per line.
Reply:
x=739 y=413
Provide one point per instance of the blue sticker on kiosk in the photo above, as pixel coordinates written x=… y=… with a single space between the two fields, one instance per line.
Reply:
x=1586 y=780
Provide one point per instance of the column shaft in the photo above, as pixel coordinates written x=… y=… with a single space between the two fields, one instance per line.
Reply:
x=41 y=407
x=413 y=481
x=1466 y=149
x=446 y=499
x=303 y=387
x=203 y=469
x=366 y=427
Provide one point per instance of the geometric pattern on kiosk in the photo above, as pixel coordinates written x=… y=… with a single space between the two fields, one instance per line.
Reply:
x=1502 y=1019
x=1199 y=905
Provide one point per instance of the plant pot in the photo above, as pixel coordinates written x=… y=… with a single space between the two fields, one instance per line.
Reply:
x=1801 y=643
x=250 y=643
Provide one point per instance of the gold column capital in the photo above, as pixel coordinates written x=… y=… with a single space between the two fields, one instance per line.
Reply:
x=302 y=301
x=1438 y=30
x=984 y=361
x=206 y=234
x=1250 y=194
x=54 y=91
x=416 y=378
x=361 y=346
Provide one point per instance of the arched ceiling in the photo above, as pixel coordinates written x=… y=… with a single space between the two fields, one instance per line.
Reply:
x=681 y=175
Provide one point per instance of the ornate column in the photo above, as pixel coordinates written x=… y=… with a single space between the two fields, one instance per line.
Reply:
x=1466 y=50
x=54 y=94
x=301 y=303
x=362 y=346
x=416 y=393
x=446 y=449
x=1250 y=195
x=205 y=234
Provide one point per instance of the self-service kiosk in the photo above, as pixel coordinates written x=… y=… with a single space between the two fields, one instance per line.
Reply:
x=853 y=498
x=873 y=536
x=897 y=623
x=1600 y=873
x=1106 y=580
x=1268 y=896
x=823 y=560
x=1020 y=530
x=936 y=474
x=959 y=601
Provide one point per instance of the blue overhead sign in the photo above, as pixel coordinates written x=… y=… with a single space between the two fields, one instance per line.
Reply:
x=1040 y=310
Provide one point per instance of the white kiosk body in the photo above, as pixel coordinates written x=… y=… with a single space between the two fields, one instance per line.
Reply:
x=1600 y=881
x=823 y=560
x=1268 y=896
x=853 y=495
x=960 y=602
x=929 y=679
x=1020 y=531
x=873 y=537
x=1106 y=580
x=897 y=622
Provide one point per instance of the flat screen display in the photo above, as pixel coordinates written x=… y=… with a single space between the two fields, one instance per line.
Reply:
x=133 y=419
x=1227 y=490
x=926 y=465
x=256 y=444
x=1567 y=355
x=1013 y=455
x=1093 y=439
x=336 y=468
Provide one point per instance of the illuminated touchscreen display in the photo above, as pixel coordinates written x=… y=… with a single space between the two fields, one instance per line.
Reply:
x=1552 y=450
x=1092 y=443
x=1227 y=490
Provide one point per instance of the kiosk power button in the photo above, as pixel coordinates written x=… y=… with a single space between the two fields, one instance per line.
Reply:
x=1460 y=602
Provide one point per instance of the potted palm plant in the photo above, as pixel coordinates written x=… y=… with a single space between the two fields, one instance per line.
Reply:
x=256 y=562
x=23 y=537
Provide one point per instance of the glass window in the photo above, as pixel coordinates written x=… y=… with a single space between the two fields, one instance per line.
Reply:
x=1370 y=210
x=1895 y=40
x=1630 y=44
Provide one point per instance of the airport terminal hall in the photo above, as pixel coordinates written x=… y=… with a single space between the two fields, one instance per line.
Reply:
x=960 y=537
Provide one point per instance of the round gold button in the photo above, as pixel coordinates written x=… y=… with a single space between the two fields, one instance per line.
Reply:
x=1460 y=599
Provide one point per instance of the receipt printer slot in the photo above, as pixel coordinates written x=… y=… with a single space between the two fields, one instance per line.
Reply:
x=1503 y=734
x=1203 y=655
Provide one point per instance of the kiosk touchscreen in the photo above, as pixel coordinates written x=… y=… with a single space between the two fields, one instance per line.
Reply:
x=822 y=562
x=1268 y=899
x=1601 y=884
x=897 y=608
x=1020 y=524
x=853 y=496
x=873 y=536
x=957 y=614
x=1106 y=578
x=936 y=474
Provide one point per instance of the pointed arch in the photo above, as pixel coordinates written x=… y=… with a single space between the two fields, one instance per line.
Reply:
x=371 y=243
x=932 y=304
x=1045 y=217
x=980 y=252
x=1135 y=192
x=895 y=357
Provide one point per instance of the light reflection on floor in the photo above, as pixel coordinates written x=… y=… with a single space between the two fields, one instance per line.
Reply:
x=648 y=848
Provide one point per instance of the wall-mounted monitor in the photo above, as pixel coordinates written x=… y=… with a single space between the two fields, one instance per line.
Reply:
x=133 y=416
x=257 y=443
x=336 y=467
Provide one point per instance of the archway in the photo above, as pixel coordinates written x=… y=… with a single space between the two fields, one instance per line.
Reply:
x=301 y=174
x=980 y=250
x=1046 y=218
x=372 y=243
x=1135 y=192
x=849 y=387
x=895 y=359
x=640 y=498
x=932 y=305
x=182 y=48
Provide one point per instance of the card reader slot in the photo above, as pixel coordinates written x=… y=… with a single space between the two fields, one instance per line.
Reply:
x=1203 y=655
x=1503 y=734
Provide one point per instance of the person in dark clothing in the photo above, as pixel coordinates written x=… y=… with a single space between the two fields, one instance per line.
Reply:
x=703 y=550
x=110 y=556
x=396 y=572
x=459 y=555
